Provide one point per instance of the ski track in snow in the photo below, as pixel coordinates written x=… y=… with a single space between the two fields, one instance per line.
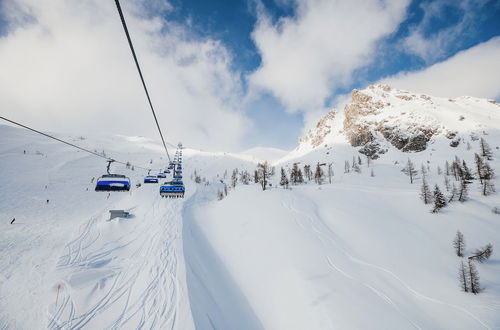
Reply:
x=154 y=307
x=322 y=235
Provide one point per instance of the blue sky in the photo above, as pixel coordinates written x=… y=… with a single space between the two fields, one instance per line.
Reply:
x=233 y=74
x=232 y=22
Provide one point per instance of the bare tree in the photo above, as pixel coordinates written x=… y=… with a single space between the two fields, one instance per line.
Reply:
x=410 y=170
x=473 y=277
x=264 y=173
x=482 y=254
x=459 y=244
x=425 y=192
x=284 y=179
x=485 y=149
x=462 y=276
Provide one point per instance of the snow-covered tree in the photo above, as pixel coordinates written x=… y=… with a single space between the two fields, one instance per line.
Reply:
x=447 y=183
x=410 y=170
x=439 y=170
x=479 y=165
x=234 y=178
x=453 y=194
x=356 y=168
x=447 y=168
x=308 y=172
x=459 y=244
x=423 y=170
x=487 y=175
x=330 y=172
x=439 y=200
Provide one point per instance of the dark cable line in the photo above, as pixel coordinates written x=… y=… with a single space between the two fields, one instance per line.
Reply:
x=71 y=144
x=140 y=74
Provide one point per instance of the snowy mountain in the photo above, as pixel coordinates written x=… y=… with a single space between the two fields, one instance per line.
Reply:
x=360 y=250
x=380 y=117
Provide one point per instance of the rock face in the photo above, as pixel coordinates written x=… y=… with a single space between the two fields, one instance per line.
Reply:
x=367 y=114
x=323 y=128
x=381 y=117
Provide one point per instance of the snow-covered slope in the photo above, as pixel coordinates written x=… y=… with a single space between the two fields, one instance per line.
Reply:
x=361 y=252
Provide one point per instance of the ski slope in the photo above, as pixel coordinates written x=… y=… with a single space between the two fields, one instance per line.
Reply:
x=362 y=252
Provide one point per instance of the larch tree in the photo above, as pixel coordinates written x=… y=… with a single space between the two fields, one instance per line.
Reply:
x=485 y=149
x=264 y=172
x=483 y=254
x=487 y=174
x=462 y=276
x=410 y=170
x=425 y=192
x=473 y=277
x=479 y=165
x=284 y=179
x=459 y=244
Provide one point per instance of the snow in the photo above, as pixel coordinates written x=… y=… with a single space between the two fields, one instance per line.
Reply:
x=361 y=252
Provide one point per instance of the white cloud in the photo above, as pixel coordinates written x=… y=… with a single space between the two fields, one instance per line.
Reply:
x=65 y=66
x=473 y=72
x=306 y=57
x=434 y=46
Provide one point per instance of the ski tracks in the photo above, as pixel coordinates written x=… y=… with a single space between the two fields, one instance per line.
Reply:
x=136 y=281
x=325 y=236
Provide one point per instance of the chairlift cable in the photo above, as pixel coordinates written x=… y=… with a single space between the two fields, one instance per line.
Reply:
x=71 y=144
x=140 y=74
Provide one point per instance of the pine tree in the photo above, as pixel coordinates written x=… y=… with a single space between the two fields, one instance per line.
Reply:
x=459 y=244
x=319 y=175
x=439 y=200
x=294 y=174
x=483 y=253
x=463 y=191
x=473 y=278
x=234 y=178
x=485 y=149
x=462 y=276
x=410 y=170
x=284 y=179
x=425 y=192
x=466 y=172
x=256 y=178
x=300 y=177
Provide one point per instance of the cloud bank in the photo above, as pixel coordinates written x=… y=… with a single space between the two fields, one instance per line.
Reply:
x=65 y=65
x=307 y=57
x=472 y=72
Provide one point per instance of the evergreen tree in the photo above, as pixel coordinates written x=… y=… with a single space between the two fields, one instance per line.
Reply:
x=300 y=177
x=463 y=191
x=284 y=179
x=466 y=172
x=459 y=244
x=425 y=192
x=234 y=178
x=439 y=200
x=307 y=172
x=256 y=178
x=473 y=278
x=319 y=175
x=410 y=170
x=485 y=149
x=462 y=276
x=483 y=253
